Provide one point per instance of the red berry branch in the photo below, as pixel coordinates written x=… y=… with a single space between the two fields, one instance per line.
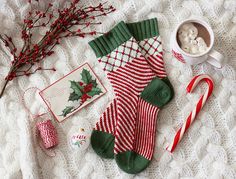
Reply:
x=61 y=24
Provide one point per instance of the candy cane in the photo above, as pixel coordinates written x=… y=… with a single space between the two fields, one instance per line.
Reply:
x=197 y=109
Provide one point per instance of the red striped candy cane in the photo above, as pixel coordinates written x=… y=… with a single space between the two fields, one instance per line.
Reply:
x=194 y=82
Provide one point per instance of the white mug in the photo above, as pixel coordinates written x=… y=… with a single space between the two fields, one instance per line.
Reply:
x=210 y=55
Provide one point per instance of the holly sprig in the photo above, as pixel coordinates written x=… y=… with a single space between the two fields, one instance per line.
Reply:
x=82 y=90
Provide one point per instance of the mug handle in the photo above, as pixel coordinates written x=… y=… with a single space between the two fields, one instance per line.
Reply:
x=215 y=58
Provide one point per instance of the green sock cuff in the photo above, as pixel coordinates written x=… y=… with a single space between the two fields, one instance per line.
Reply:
x=144 y=29
x=108 y=42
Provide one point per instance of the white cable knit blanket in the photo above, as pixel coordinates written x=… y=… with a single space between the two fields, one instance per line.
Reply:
x=207 y=149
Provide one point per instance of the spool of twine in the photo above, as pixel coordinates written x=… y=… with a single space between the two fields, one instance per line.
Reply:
x=47 y=133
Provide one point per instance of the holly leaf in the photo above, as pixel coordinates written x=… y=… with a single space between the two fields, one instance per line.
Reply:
x=67 y=110
x=86 y=77
x=94 y=82
x=94 y=91
x=76 y=87
x=74 y=97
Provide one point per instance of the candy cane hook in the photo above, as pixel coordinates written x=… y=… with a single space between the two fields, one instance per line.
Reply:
x=193 y=83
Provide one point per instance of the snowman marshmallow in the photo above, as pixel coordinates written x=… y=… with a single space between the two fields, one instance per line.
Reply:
x=201 y=44
x=187 y=32
x=190 y=42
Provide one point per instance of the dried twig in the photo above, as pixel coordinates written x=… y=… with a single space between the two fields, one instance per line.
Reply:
x=60 y=23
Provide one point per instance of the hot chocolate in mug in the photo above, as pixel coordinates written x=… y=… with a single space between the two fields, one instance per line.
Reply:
x=196 y=33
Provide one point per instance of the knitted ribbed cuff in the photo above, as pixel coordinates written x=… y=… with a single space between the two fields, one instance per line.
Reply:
x=106 y=43
x=144 y=29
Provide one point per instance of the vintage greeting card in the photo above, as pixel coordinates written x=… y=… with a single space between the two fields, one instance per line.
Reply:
x=72 y=92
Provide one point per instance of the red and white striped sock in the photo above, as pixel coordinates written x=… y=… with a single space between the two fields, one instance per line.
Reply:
x=129 y=73
x=145 y=129
x=151 y=48
x=107 y=121
x=128 y=83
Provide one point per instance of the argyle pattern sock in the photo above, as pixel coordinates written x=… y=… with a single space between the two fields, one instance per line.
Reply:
x=147 y=34
x=134 y=111
x=149 y=40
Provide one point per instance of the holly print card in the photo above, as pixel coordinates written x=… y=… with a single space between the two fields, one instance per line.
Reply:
x=72 y=92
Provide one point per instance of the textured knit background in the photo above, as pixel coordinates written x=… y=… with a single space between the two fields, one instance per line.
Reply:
x=206 y=151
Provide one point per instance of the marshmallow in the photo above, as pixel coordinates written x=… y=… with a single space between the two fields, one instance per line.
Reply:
x=194 y=42
x=186 y=48
x=201 y=42
x=193 y=31
x=185 y=40
x=183 y=36
x=187 y=26
x=190 y=42
x=194 y=49
x=202 y=49
x=187 y=32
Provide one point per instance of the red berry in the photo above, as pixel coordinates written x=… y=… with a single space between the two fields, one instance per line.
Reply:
x=87 y=24
x=85 y=97
x=88 y=88
x=93 y=33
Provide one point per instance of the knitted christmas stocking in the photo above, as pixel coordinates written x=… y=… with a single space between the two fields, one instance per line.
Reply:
x=147 y=34
x=134 y=111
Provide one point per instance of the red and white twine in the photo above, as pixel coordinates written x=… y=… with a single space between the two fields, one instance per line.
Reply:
x=194 y=82
x=47 y=132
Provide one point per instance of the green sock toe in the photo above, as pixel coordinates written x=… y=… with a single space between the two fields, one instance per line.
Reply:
x=131 y=162
x=103 y=144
